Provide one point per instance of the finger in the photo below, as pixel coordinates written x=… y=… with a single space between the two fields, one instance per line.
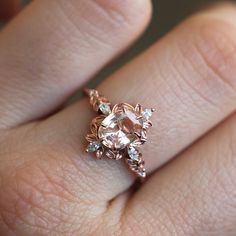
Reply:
x=192 y=91
x=193 y=195
x=51 y=179
x=8 y=9
x=53 y=47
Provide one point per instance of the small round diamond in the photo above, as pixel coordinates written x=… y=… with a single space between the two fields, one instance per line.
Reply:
x=147 y=113
x=142 y=173
x=92 y=147
x=105 y=108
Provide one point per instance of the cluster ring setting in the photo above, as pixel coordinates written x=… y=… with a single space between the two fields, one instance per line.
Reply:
x=118 y=131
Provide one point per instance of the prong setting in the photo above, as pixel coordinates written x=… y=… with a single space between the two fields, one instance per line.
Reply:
x=119 y=132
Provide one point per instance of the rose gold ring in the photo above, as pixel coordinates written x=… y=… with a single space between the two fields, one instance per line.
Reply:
x=118 y=131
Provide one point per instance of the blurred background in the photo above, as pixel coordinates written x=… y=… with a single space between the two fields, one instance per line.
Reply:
x=166 y=14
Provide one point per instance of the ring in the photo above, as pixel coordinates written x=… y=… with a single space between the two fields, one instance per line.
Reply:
x=119 y=131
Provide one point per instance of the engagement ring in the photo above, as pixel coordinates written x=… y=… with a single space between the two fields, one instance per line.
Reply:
x=118 y=131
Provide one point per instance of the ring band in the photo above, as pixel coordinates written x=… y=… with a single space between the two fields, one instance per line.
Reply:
x=119 y=131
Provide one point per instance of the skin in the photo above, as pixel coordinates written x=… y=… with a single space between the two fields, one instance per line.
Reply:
x=49 y=186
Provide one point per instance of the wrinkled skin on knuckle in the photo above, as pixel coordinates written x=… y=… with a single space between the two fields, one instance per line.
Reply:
x=113 y=16
x=130 y=10
x=217 y=45
x=31 y=203
x=42 y=195
x=209 y=52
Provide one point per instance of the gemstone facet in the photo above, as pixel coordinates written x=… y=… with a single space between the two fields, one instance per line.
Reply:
x=119 y=128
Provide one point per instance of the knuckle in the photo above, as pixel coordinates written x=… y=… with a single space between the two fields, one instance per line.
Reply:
x=40 y=191
x=217 y=46
x=31 y=203
x=36 y=200
x=209 y=50
x=111 y=15
x=131 y=11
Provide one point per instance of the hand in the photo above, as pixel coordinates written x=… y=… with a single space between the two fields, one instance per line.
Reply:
x=49 y=186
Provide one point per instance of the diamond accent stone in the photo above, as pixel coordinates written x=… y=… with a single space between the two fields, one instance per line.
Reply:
x=147 y=113
x=133 y=154
x=92 y=147
x=105 y=108
x=142 y=173
x=119 y=128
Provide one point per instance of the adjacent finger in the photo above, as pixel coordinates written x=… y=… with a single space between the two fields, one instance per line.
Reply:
x=51 y=48
x=187 y=76
x=193 y=195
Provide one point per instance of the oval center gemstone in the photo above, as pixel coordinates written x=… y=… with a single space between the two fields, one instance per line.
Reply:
x=118 y=129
